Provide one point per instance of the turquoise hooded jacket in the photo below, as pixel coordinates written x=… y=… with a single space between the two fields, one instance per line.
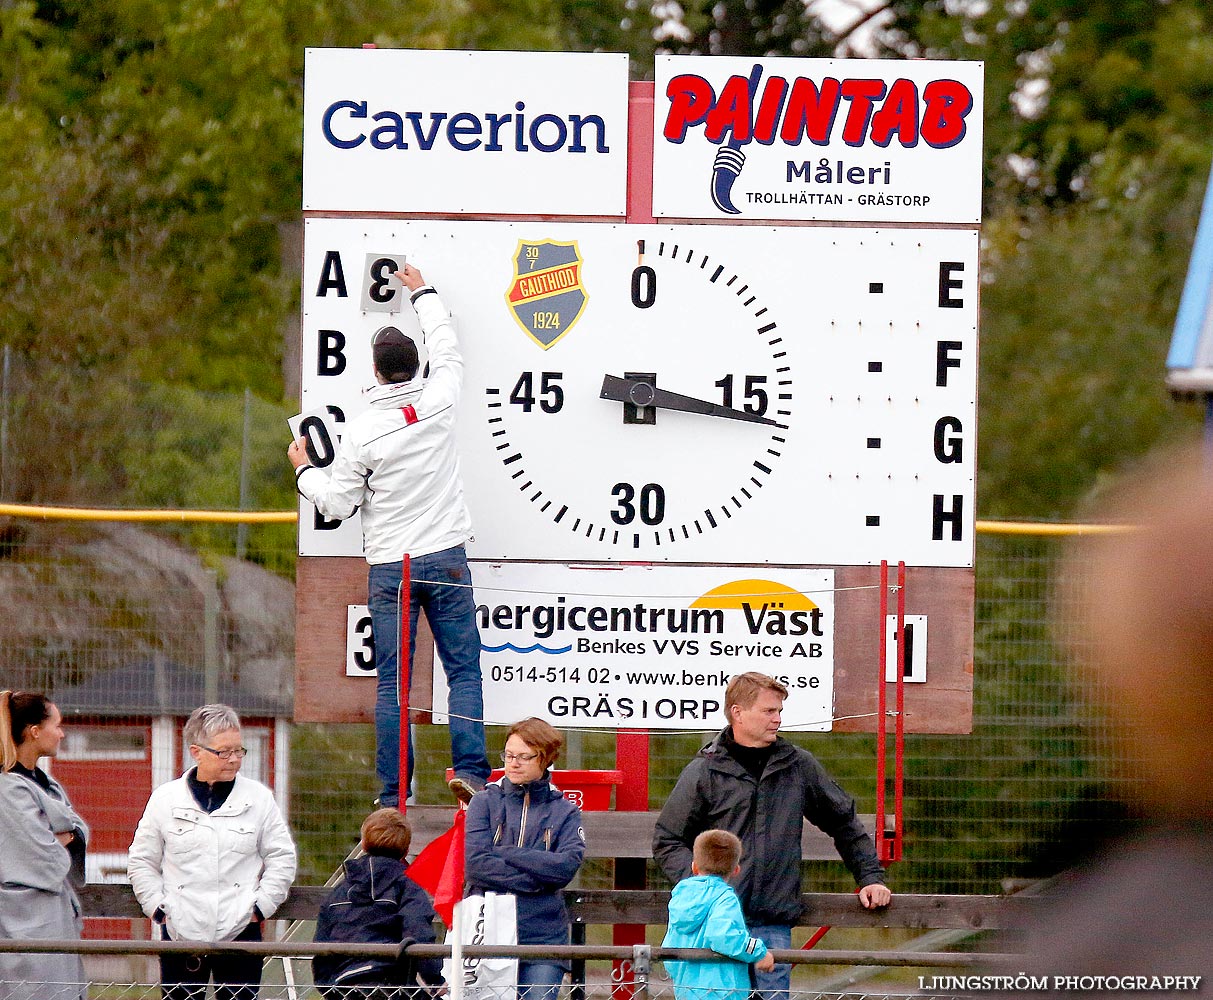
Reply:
x=705 y=913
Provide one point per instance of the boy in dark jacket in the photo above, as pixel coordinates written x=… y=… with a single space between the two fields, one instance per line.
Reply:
x=376 y=903
x=705 y=913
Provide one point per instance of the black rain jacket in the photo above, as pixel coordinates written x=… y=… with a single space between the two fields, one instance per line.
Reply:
x=376 y=903
x=715 y=792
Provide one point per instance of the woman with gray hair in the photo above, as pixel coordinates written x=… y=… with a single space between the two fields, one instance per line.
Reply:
x=212 y=859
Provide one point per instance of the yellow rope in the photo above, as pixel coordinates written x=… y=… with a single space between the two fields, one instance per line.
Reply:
x=1035 y=528
x=103 y=514
x=290 y=517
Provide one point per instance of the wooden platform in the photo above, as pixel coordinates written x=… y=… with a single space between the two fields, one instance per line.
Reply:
x=623 y=834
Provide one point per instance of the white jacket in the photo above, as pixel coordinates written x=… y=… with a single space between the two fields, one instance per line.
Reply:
x=398 y=461
x=208 y=870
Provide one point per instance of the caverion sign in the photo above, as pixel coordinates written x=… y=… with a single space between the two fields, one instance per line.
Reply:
x=686 y=447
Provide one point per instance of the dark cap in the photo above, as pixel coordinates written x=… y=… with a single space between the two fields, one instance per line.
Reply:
x=394 y=354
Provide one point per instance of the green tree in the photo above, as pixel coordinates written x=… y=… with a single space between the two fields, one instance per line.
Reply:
x=1076 y=320
x=152 y=164
x=1097 y=151
x=151 y=155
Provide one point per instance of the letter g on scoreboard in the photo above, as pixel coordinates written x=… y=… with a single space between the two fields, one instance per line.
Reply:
x=546 y=296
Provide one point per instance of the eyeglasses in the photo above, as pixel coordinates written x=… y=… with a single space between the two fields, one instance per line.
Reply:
x=522 y=758
x=238 y=753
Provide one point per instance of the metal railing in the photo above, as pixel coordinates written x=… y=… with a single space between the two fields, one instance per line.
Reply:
x=641 y=955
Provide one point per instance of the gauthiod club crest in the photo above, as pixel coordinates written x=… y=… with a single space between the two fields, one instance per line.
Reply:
x=546 y=295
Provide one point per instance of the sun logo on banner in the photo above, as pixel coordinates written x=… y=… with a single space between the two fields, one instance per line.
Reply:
x=546 y=296
x=754 y=593
x=769 y=608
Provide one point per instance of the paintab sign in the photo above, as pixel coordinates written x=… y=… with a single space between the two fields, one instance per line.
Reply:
x=391 y=130
x=856 y=140
x=651 y=647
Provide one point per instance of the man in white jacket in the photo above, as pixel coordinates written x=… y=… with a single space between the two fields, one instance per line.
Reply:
x=211 y=860
x=398 y=464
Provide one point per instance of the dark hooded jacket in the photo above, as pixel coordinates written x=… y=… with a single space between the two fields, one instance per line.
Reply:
x=527 y=840
x=376 y=903
x=715 y=792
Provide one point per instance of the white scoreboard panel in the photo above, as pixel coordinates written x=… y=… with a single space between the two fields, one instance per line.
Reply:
x=686 y=394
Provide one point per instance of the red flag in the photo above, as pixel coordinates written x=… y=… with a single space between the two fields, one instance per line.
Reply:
x=438 y=869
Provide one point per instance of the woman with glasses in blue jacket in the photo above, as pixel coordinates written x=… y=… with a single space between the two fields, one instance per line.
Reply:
x=524 y=837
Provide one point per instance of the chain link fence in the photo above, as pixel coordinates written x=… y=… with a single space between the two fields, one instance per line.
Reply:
x=126 y=625
x=117 y=990
x=600 y=973
x=121 y=623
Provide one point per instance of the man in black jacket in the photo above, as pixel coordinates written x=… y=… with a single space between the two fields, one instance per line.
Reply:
x=758 y=786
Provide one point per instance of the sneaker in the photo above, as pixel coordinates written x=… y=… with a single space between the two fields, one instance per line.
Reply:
x=464 y=786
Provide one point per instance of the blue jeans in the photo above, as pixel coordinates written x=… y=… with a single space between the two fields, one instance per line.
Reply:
x=773 y=985
x=451 y=612
x=539 y=980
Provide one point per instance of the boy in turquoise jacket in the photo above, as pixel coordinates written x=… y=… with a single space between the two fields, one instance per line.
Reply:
x=706 y=913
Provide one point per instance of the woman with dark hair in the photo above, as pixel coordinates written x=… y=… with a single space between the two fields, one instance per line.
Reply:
x=43 y=853
x=524 y=837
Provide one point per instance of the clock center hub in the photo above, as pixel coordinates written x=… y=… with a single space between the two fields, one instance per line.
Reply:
x=641 y=393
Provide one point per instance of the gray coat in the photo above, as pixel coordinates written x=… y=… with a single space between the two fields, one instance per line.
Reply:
x=714 y=792
x=36 y=895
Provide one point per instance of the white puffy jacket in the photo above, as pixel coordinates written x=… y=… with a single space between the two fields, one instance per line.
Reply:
x=398 y=460
x=208 y=870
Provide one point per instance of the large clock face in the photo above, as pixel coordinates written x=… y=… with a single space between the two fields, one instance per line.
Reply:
x=679 y=393
x=671 y=425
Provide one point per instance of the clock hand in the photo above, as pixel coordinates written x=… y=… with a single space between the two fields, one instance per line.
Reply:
x=641 y=393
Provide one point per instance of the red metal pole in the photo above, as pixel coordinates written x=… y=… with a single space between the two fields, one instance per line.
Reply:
x=881 y=846
x=816 y=936
x=632 y=748
x=899 y=748
x=404 y=677
x=632 y=795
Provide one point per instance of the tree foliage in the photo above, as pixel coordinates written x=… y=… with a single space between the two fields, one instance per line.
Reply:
x=151 y=151
x=151 y=158
x=1097 y=152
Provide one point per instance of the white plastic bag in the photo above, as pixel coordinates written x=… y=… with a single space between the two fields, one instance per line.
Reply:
x=486 y=920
